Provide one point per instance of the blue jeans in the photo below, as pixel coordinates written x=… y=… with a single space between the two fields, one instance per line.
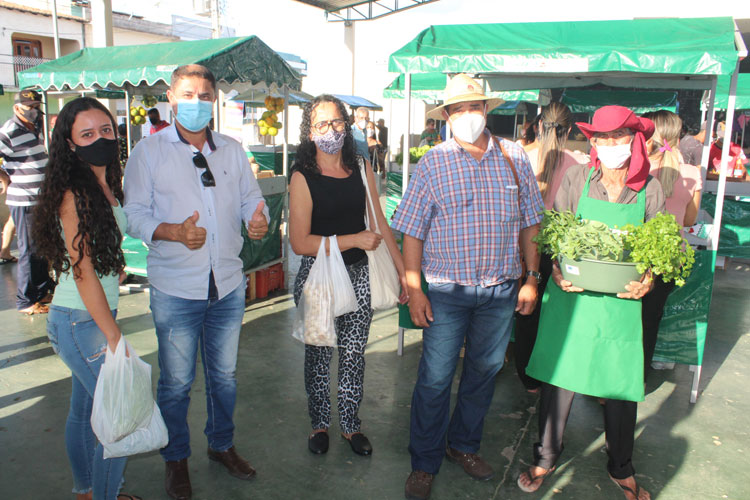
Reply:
x=482 y=317
x=32 y=271
x=82 y=346
x=182 y=326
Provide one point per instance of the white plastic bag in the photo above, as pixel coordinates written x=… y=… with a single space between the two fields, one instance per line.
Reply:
x=152 y=437
x=384 y=282
x=344 y=298
x=123 y=401
x=327 y=291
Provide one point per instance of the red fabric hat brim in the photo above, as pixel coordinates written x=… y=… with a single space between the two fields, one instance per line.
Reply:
x=609 y=118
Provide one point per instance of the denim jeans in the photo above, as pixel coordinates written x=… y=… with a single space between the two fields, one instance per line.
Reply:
x=182 y=326
x=82 y=346
x=482 y=318
x=32 y=271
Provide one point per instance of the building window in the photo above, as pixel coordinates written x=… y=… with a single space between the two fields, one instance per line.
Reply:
x=27 y=48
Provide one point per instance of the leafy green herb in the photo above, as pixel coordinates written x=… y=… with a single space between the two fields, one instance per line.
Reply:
x=657 y=244
x=414 y=154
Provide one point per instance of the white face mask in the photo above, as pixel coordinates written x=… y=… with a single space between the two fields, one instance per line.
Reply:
x=362 y=124
x=613 y=157
x=468 y=127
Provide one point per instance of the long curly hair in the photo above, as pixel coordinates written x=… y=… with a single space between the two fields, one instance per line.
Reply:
x=305 y=160
x=98 y=235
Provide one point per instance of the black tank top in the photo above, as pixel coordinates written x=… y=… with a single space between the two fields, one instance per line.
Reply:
x=338 y=208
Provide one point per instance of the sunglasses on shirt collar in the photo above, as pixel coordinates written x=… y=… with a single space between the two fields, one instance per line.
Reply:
x=207 y=178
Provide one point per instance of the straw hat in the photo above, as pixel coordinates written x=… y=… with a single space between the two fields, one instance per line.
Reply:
x=462 y=88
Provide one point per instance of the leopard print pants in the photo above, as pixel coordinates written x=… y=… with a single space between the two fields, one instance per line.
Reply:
x=352 y=331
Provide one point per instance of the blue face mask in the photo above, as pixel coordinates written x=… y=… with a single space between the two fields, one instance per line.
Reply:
x=194 y=114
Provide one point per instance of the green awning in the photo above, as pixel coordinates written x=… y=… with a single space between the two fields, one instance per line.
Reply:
x=430 y=87
x=722 y=92
x=646 y=49
x=240 y=63
x=510 y=108
x=588 y=101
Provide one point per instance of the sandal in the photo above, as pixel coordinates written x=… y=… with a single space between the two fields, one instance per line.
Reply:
x=37 y=308
x=9 y=260
x=530 y=487
x=125 y=496
x=636 y=494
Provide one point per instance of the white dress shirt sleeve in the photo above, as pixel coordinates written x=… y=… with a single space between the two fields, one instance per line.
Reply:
x=138 y=188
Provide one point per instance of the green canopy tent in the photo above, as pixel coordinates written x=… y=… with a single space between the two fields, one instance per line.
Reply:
x=630 y=53
x=588 y=101
x=241 y=63
x=742 y=99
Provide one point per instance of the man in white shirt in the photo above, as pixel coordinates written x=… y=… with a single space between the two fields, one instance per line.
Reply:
x=187 y=192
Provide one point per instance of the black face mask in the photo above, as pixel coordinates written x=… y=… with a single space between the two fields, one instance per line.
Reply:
x=99 y=153
x=153 y=121
x=31 y=115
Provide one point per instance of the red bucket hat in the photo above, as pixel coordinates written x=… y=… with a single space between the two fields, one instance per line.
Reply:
x=609 y=118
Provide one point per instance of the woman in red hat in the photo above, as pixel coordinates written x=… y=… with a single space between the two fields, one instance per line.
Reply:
x=592 y=343
x=682 y=186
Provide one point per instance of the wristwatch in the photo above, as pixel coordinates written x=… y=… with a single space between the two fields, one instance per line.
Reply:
x=535 y=274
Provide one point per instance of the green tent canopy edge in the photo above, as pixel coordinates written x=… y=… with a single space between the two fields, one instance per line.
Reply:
x=232 y=60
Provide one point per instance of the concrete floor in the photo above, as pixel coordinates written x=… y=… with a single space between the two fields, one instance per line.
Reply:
x=682 y=450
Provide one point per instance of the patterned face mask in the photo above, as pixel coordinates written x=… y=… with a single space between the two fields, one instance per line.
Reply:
x=331 y=142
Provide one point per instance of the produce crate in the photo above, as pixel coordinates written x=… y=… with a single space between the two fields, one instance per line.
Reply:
x=269 y=279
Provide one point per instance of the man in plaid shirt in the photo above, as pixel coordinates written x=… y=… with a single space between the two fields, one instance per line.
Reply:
x=467 y=217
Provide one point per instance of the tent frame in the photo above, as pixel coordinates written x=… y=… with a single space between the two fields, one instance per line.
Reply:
x=520 y=81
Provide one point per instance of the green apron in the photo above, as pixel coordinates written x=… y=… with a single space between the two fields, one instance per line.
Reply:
x=589 y=342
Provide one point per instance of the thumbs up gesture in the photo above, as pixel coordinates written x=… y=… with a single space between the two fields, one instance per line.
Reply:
x=258 y=226
x=191 y=235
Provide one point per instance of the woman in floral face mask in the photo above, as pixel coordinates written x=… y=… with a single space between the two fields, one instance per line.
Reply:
x=327 y=197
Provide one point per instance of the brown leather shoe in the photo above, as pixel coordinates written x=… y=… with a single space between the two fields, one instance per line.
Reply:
x=235 y=464
x=472 y=463
x=177 y=482
x=418 y=485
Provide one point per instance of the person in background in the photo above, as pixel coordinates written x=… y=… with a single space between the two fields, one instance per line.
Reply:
x=78 y=226
x=156 y=122
x=9 y=229
x=122 y=143
x=682 y=187
x=429 y=135
x=549 y=161
x=737 y=159
x=24 y=161
x=529 y=139
x=327 y=197
x=383 y=148
x=691 y=145
x=372 y=145
x=52 y=123
x=188 y=192
x=469 y=213
x=361 y=118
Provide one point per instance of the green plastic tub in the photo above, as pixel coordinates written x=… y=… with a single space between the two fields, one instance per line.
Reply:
x=599 y=276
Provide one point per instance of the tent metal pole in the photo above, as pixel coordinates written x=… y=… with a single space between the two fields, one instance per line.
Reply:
x=709 y=121
x=127 y=120
x=45 y=122
x=285 y=144
x=405 y=155
x=389 y=138
x=725 y=159
x=285 y=170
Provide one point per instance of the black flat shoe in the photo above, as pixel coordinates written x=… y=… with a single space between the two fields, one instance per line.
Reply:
x=360 y=444
x=318 y=442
